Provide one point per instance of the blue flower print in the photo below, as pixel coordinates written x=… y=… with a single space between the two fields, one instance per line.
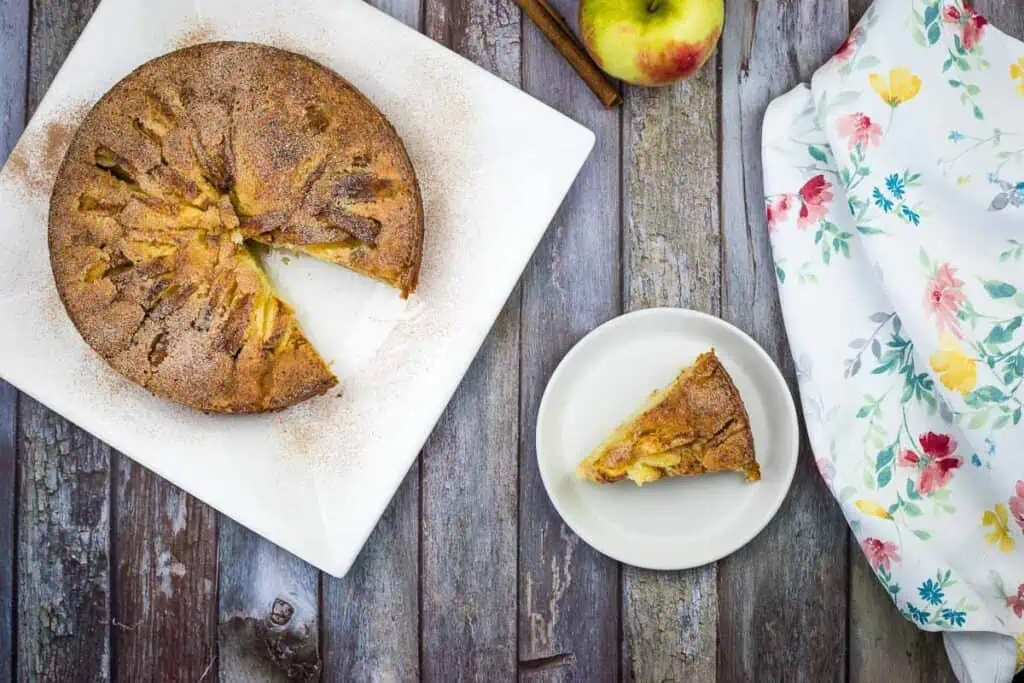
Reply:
x=881 y=201
x=955 y=617
x=930 y=592
x=920 y=616
x=894 y=183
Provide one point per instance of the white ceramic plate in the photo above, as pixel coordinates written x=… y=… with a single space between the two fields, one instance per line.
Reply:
x=674 y=523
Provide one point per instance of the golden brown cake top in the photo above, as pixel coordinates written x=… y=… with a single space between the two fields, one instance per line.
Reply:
x=181 y=166
x=697 y=424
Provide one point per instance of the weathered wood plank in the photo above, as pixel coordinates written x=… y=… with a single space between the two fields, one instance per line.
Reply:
x=568 y=592
x=269 y=610
x=165 y=585
x=779 y=597
x=13 y=82
x=371 y=618
x=13 y=72
x=63 y=600
x=671 y=257
x=469 y=576
x=1007 y=15
x=63 y=567
x=883 y=645
x=8 y=501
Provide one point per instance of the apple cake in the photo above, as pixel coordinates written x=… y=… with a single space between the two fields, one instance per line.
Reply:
x=697 y=424
x=172 y=178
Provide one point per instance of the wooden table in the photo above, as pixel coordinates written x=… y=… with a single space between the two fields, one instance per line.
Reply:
x=106 y=571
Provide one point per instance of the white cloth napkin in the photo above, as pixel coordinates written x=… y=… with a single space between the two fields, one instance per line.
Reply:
x=895 y=200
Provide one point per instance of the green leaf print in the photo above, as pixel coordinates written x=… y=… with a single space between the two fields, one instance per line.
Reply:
x=999 y=290
x=990 y=394
x=817 y=153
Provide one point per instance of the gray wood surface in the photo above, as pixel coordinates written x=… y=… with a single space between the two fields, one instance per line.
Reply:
x=63 y=577
x=671 y=257
x=469 y=578
x=371 y=618
x=13 y=91
x=883 y=645
x=568 y=593
x=165 y=579
x=269 y=618
x=120 y=575
x=779 y=596
x=8 y=503
x=63 y=561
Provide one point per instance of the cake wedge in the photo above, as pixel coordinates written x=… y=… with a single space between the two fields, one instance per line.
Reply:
x=696 y=425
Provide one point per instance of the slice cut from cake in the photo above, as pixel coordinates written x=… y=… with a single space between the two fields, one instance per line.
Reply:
x=696 y=424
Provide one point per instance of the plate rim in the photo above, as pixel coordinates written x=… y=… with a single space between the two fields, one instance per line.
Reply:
x=683 y=313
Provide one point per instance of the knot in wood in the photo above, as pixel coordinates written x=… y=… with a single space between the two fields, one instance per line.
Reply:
x=281 y=612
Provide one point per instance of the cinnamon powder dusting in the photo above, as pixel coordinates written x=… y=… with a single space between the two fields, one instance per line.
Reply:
x=201 y=33
x=38 y=156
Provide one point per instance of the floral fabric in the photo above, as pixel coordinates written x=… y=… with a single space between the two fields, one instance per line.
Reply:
x=895 y=203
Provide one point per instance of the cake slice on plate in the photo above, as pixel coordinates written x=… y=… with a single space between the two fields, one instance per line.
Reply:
x=696 y=424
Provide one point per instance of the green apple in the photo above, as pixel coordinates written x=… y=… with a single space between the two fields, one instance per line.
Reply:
x=651 y=42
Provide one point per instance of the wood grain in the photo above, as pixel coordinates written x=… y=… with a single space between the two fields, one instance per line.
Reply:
x=470 y=463
x=782 y=597
x=13 y=88
x=883 y=645
x=371 y=618
x=63 y=543
x=568 y=592
x=8 y=503
x=268 y=611
x=165 y=587
x=63 y=564
x=13 y=72
x=671 y=257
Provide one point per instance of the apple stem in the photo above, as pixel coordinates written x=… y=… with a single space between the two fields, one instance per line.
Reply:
x=652 y=5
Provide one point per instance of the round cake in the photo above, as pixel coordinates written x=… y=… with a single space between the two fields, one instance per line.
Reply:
x=173 y=177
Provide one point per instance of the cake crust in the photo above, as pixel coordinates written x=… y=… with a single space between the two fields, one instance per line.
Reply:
x=695 y=425
x=177 y=172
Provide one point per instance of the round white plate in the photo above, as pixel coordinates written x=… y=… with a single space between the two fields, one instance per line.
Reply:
x=673 y=523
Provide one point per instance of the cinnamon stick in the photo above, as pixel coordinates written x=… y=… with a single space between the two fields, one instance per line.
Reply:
x=557 y=30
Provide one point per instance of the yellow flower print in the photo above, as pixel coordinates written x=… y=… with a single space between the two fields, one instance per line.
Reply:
x=870 y=507
x=1020 y=651
x=901 y=86
x=1017 y=74
x=956 y=371
x=997 y=518
x=963 y=180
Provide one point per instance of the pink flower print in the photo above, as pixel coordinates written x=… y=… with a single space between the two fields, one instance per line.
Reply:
x=814 y=196
x=880 y=553
x=1017 y=506
x=858 y=129
x=944 y=297
x=972 y=25
x=1016 y=602
x=849 y=46
x=935 y=464
x=939 y=462
x=777 y=210
x=908 y=459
